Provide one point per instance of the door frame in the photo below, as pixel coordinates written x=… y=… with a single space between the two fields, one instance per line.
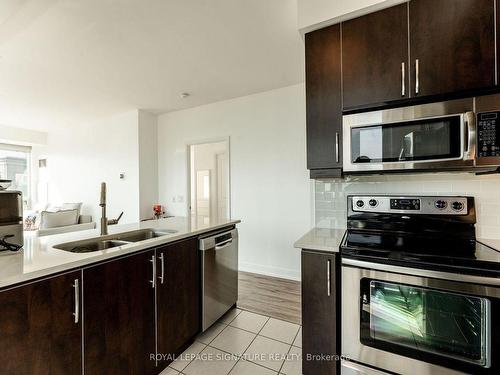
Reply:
x=188 y=170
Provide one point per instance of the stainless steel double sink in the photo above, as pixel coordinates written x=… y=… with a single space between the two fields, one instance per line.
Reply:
x=113 y=240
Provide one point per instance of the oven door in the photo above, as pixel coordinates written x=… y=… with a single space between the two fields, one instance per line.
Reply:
x=389 y=140
x=413 y=321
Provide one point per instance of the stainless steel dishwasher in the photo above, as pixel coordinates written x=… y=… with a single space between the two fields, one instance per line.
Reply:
x=219 y=275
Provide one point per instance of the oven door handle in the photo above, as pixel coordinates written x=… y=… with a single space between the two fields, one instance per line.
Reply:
x=424 y=273
x=469 y=122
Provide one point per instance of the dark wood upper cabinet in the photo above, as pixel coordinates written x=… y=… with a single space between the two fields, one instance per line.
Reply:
x=323 y=98
x=454 y=44
x=119 y=310
x=178 y=296
x=375 y=58
x=320 y=304
x=39 y=334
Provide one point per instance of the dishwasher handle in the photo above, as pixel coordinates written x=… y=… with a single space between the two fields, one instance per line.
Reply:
x=224 y=244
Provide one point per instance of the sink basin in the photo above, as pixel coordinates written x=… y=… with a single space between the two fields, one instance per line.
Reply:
x=87 y=246
x=114 y=240
x=143 y=234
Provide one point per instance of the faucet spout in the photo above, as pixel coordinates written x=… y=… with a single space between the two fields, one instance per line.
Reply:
x=104 y=219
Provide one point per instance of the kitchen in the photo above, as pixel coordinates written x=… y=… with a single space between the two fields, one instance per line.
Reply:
x=386 y=147
x=412 y=287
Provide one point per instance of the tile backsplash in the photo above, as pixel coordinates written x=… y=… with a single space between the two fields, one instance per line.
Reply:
x=331 y=195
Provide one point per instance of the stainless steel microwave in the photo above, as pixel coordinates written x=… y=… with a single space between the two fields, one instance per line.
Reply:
x=455 y=135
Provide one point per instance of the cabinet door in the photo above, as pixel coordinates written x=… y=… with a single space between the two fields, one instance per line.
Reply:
x=320 y=298
x=323 y=98
x=452 y=45
x=119 y=315
x=375 y=58
x=178 y=296
x=39 y=333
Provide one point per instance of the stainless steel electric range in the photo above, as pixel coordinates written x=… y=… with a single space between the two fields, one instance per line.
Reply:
x=419 y=294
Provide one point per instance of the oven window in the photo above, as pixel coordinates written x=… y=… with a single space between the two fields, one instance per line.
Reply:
x=426 y=320
x=431 y=139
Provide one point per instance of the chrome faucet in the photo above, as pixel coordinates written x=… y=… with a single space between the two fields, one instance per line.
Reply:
x=104 y=220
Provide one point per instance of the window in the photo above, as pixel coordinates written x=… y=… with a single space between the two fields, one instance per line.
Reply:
x=15 y=165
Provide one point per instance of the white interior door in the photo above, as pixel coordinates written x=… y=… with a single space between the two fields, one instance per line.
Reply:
x=203 y=196
x=208 y=181
x=222 y=186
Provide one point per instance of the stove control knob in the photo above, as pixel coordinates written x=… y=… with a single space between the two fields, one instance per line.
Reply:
x=457 y=206
x=440 y=204
x=373 y=202
x=360 y=203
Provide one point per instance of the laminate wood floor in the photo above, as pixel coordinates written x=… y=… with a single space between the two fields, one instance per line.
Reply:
x=270 y=296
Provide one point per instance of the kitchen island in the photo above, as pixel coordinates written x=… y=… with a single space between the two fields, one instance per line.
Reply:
x=125 y=310
x=39 y=258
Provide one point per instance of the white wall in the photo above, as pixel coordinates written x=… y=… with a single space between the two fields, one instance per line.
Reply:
x=80 y=158
x=21 y=136
x=148 y=163
x=315 y=14
x=270 y=188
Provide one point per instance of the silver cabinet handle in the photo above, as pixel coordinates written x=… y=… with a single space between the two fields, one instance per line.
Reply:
x=337 y=147
x=153 y=279
x=328 y=278
x=76 y=287
x=403 y=86
x=162 y=264
x=417 y=77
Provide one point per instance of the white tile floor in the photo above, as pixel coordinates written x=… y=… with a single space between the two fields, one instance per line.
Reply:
x=243 y=343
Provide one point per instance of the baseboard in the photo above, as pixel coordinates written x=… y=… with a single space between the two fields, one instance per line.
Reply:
x=283 y=273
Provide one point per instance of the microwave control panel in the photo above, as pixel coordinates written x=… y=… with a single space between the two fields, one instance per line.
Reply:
x=488 y=134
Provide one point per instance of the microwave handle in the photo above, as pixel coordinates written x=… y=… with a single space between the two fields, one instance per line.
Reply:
x=337 y=147
x=469 y=134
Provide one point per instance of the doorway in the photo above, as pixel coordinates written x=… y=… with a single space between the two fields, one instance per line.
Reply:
x=209 y=182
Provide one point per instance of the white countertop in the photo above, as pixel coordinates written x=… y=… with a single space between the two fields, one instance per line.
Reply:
x=321 y=239
x=329 y=240
x=39 y=258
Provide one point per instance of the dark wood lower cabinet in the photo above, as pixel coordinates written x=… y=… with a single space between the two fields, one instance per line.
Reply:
x=127 y=319
x=178 y=297
x=38 y=332
x=320 y=313
x=119 y=311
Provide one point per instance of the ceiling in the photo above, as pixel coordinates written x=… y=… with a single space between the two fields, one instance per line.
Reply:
x=67 y=62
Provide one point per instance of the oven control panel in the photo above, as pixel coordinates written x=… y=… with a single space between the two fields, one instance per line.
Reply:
x=411 y=205
x=488 y=134
x=405 y=204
